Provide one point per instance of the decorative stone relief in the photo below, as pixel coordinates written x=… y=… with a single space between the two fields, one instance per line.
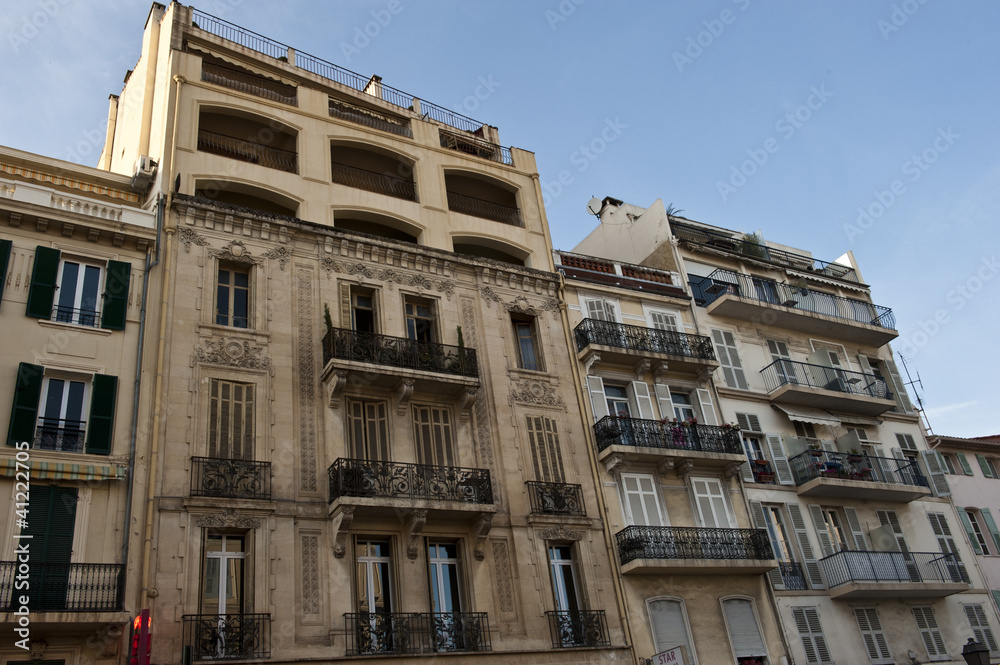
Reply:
x=337 y=385
x=188 y=237
x=535 y=392
x=481 y=530
x=390 y=276
x=227 y=518
x=310 y=575
x=233 y=352
x=415 y=522
x=282 y=254
x=501 y=566
x=560 y=532
x=340 y=544
x=519 y=304
x=481 y=406
x=236 y=252
x=306 y=371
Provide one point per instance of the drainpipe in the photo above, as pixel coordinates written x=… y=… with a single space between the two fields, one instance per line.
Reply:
x=594 y=470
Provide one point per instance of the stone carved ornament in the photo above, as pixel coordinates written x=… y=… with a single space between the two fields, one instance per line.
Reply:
x=390 y=276
x=228 y=518
x=232 y=352
x=519 y=304
x=532 y=391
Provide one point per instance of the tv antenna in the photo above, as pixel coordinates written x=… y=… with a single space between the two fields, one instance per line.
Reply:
x=915 y=382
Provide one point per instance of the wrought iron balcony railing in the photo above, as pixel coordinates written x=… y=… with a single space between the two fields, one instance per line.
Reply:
x=792 y=576
x=67 y=436
x=867 y=567
x=722 y=282
x=370 y=181
x=252 y=84
x=369 y=118
x=555 y=498
x=470 y=205
x=794 y=373
x=578 y=628
x=228 y=636
x=755 y=250
x=247 y=151
x=87 y=316
x=398 y=480
x=640 y=338
x=64 y=587
x=619 y=431
x=399 y=352
x=866 y=468
x=231 y=478
x=678 y=542
x=472 y=145
x=416 y=632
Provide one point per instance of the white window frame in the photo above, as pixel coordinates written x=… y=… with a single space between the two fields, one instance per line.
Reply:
x=608 y=302
x=690 y=646
x=723 y=494
x=642 y=494
x=675 y=315
x=76 y=313
x=731 y=350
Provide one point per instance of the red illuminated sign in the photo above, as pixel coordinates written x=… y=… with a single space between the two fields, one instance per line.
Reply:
x=141 y=639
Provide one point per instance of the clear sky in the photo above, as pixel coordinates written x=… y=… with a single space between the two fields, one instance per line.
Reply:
x=868 y=125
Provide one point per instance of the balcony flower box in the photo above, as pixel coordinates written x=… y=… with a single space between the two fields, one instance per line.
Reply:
x=855 y=459
x=765 y=477
x=761 y=462
x=815 y=452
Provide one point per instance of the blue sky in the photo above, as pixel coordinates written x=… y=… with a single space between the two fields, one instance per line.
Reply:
x=791 y=118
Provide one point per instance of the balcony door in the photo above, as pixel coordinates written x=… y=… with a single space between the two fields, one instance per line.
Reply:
x=223 y=593
x=446 y=596
x=368 y=430
x=51 y=519
x=231 y=420
x=785 y=370
x=710 y=503
x=642 y=505
x=374 y=596
x=61 y=426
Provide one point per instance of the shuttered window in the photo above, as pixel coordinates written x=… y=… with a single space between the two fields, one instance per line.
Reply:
x=602 y=310
x=669 y=627
x=980 y=626
x=939 y=524
x=729 y=359
x=368 y=430
x=811 y=633
x=51 y=522
x=642 y=505
x=70 y=290
x=230 y=420
x=744 y=633
x=929 y=633
x=874 y=638
x=543 y=437
x=433 y=436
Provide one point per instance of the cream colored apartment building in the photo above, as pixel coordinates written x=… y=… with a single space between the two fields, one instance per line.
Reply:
x=871 y=564
x=75 y=245
x=364 y=437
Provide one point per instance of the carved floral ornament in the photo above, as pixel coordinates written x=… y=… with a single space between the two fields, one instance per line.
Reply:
x=228 y=518
x=519 y=304
x=390 y=276
x=560 y=532
x=236 y=252
x=232 y=352
x=535 y=392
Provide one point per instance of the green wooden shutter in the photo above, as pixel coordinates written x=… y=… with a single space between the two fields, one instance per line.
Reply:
x=116 y=295
x=964 y=518
x=24 y=413
x=5 y=246
x=963 y=460
x=42 y=292
x=102 y=414
x=51 y=520
x=991 y=525
x=984 y=466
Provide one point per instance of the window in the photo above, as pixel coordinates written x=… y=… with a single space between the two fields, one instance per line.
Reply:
x=63 y=411
x=906 y=442
x=874 y=638
x=642 y=505
x=712 y=509
x=374 y=564
x=368 y=430
x=670 y=626
x=811 y=633
x=775 y=524
x=567 y=596
x=980 y=626
x=545 y=455
x=946 y=543
x=602 y=310
x=834 y=529
x=419 y=320
x=949 y=463
x=232 y=298
x=744 y=632
x=617 y=398
x=363 y=317
x=660 y=320
x=729 y=359
x=231 y=420
x=446 y=595
x=861 y=433
x=50 y=525
x=988 y=467
x=526 y=341
x=224 y=576
x=976 y=535
x=5 y=249
x=433 y=436
x=784 y=369
x=929 y=632
x=804 y=430
x=80 y=291
x=683 y=409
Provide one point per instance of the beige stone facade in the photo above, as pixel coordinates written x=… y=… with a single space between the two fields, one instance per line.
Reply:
x=74 y=244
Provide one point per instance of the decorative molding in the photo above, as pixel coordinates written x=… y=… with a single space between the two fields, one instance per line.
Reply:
x=306 y=377
x=591 y=359
x=232 y=352
x=539 y=393
x=404 y=391
x=282 y=254
x=613 y=462
x=665 y=465
x=560 y=532
x=732 y=470
x=660 y=370
x=390 y=276
x=481 y=406
x=227 y=518
x=340 y=542
x=337 y=385
x=684 y=468
x=465 y=403
x=188 y=237
x=236 y=252
x=641 y=368
x=415 y=522
x=481 y=530
x=519 y=304
x=502 y=577
x=310 y=575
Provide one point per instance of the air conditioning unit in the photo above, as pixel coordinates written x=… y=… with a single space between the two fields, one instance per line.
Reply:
x=145 y=171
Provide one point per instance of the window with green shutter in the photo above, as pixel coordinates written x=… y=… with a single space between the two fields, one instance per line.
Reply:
x=24 y=412
x=116 y=295
x=42 y=292
x=51 y=521
x=100 y=429
x=80 y=291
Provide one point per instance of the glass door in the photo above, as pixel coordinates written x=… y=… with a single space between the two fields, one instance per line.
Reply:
x=446 y=597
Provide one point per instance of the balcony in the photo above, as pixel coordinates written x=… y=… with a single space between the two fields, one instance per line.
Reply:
x=370 y=118
x=640 y=440
x=371 y=181
x=251 y=84
x=627 y=344
x=622 y=275
x=66 y=436
x=247 y=151
x=793 y=577
x=845 y=476
x=472 y=145
x=555 y=499
x=804 y=384
x=578 y=628
x=65 y=587
x=398 y=363
x=657 y=550
x=497 y=212
x=720 y=241
x=416 y=632
x=228 y=636
x=760 y=300
x=230 y=478
x=893 y=575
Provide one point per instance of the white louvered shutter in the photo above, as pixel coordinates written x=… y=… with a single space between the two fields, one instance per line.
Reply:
x=667 y=617
x=760 y=522
x=929 y=632
x=936 y=470
x=602 y=310
x=663 y=400
x=707 y=407
x=860 y=542
x=871 y=633
x=782 y=468
x=744 y=633
x=809 y=561
x=748 y=422
x=729 y=359
x=643 y=402
x=980 y=626
x=598 y=402
x=820 y=524
x=811 y=632
x=746 y=471
x=664 y=321
x=641 y=501
x=899 y=390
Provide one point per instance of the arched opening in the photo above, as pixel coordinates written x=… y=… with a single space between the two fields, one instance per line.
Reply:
x=489 y=248
x=246 y=196
x=380 y=226
x=372 y=170
x=480 y=196
x=247 y=138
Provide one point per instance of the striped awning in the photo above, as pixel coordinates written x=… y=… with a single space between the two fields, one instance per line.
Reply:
x=65 y=471
x=806 y=415
x=41 y=176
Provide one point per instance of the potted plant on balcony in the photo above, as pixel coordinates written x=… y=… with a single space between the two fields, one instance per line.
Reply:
x=815 y=450
x=765 y=477
x=854 y=456
x=761 y=462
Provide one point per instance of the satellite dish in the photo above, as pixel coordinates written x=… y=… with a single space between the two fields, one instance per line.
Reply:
x=594 y=206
